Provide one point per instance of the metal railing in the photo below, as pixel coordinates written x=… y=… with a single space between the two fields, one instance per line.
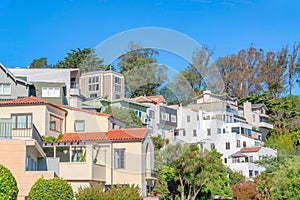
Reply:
x=10 y=130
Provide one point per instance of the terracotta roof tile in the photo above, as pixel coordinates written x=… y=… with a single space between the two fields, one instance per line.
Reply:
x=151 y=99
x=250 y=149
x=115 y=134
x=127 y=134
x=29 y=101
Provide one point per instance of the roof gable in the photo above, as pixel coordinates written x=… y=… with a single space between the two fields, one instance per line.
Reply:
x=29 y=101
x=13 y=78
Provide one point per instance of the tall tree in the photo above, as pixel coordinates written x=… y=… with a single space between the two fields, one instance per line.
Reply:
x=241 y=73
x=143 y=75
x=39 y=63
x=86 y=60
x=273 y=68
x=200 y=174
x=293 y=66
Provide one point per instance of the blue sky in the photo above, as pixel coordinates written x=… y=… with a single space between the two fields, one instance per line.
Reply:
x=50 y=28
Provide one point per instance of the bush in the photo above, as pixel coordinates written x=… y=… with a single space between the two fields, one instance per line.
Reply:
x=8 y=184
x=90 y=193
x=124 y=192
x=53 y=189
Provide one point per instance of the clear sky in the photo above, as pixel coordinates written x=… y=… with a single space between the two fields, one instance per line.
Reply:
x=51 y=28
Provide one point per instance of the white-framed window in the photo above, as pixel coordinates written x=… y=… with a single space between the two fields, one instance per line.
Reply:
x=79 y=125
x=218 y=130
x=5 y=89
x=119 y=158
x=118 y=84
x=93 y=83
x=173 y=118
x=50 y=92
x=118 y=80
x=253 y=117
x=164 y=116
x=138 y=113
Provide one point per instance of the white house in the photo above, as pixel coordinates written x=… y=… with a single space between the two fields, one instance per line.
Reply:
x=243 y=161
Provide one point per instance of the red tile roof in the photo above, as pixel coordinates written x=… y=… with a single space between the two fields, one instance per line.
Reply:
x=74 y=137
x=133 y=134
x=250 y=149
x=150 y=99
x=127 y=134
x=29 y=101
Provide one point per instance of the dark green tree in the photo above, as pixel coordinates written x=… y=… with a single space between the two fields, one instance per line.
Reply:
x=39 y=63
x=85 y=59
x=143 y=75
x=199 y=174
x=8 y=184
x=128 y=116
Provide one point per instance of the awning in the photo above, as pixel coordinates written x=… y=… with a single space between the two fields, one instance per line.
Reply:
x=238 y=155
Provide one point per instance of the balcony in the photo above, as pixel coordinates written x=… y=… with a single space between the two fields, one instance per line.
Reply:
x=82 y=171
x=9 y=130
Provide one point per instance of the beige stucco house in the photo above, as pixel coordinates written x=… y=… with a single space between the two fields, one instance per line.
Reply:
x=21 y=152
x=119 y=156
x=53 y=119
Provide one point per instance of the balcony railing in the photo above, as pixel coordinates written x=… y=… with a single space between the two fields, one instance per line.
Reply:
x=10 y=130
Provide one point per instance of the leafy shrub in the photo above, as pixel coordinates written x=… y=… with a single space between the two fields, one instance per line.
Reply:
x=8 y=185
x=53 y=189
x=124 y=192
x=90 y=193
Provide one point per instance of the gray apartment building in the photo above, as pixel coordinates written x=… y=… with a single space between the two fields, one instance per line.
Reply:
x=12 y=87
x=105 y=84
x=59 y=86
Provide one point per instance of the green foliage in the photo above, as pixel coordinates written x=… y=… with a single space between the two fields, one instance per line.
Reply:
x=283 y=142
x=287 y=180
x=90 y=193
x=51 y=138
x=53 y=189
x=264 y=183
x=235 y=177
x=159 y=142
x=8 y=185
x=142 y=74
x=161 y=190
x=128 y=116
x=198 y=173
x=86 y=60
x=39 y=63
x=124 y=192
